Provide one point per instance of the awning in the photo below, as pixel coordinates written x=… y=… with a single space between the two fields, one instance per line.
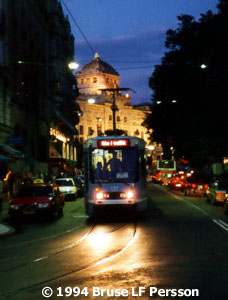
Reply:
x=11 y=151
x=6 y=159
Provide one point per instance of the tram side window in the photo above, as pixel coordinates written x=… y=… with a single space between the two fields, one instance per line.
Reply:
x=114 y=165
x=143 y=163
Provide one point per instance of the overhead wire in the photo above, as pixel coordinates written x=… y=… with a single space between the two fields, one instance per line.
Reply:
x=92 y=49
x=76 y=24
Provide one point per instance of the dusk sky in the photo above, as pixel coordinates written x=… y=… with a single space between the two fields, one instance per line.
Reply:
x=129 y=34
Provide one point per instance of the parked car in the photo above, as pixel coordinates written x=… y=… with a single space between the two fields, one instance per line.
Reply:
x=217 y=191
x=37 y=199
x=196 y=185
x=79 y=182
x=68 y=187
x=226 y=204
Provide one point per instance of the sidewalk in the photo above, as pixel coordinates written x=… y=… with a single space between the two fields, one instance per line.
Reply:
x=5 y=229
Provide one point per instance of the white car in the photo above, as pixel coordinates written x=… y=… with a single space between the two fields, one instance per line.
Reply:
x=67 y=187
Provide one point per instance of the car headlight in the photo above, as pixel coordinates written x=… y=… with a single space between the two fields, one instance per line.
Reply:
x=178 y=184
x=43 y=205
x=14 y=206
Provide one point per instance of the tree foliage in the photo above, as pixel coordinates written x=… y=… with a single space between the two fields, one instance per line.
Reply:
x=196 y=122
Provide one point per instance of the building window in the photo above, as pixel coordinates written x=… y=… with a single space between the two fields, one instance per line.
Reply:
x=81 y=140
x=90 y=131
x=125 y=119
x=94 y=79
x=87 y=80
x=107 y=80
x=136 y=133
x=81 y=81
x=81 y=129
x=110 y=117
x=99 y=129
x=118 y=118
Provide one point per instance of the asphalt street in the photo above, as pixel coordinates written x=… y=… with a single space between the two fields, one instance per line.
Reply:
x=178 y=246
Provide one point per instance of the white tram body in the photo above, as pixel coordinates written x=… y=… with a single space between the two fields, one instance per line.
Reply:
x=115 y=172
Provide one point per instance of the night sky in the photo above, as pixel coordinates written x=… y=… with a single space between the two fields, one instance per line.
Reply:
x=129 y=34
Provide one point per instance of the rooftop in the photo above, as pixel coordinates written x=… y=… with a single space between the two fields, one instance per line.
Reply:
x=97 y=66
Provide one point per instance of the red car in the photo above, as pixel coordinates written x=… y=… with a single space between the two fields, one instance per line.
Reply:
x=196 y=186
x=177 y=182
x=37 y=199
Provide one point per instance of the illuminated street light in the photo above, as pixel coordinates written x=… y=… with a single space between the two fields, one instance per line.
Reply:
x=150 y=147
x=73 y=65
x=203 y=66
x=91 y=101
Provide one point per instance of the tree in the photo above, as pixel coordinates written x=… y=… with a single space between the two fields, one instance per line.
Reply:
x=191 y=115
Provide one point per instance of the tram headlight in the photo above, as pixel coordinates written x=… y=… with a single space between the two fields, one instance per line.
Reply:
x=130 y=194
x=99 y=196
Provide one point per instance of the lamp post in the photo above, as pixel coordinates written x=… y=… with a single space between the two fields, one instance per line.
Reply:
x=114 y=107
x=73 y=65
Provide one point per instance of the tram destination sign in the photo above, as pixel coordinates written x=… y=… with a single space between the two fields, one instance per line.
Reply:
x=114 y=143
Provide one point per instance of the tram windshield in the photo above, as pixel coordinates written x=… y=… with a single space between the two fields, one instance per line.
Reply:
x=119 y=165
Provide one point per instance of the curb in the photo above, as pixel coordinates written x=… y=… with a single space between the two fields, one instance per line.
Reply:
x=6 y=230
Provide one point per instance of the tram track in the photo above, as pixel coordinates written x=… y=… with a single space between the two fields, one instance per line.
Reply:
x=103 y=259
x=66 y=247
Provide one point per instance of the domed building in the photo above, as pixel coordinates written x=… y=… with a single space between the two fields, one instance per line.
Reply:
x=96 y=81
x=97 y=75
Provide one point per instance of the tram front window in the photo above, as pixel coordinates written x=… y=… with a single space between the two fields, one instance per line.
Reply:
x=120 y=165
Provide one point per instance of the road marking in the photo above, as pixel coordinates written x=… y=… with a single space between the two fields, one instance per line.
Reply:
x=187 y=202
x=41 y=258
x=220 y=223
x=80 y=216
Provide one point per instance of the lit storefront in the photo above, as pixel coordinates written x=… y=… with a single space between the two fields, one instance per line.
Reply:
x=62 y=152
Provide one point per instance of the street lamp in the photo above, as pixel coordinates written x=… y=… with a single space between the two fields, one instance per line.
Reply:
x=91 y=101
x=114 y=108
x=73 y=65
x=203 y=66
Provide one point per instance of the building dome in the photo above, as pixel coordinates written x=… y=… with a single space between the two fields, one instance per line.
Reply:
x=97 y=66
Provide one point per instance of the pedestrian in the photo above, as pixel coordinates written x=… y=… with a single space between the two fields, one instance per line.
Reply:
x=23 y=177
x=10 y=182
x=1 y=190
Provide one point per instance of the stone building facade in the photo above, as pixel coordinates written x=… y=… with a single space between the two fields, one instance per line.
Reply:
x=36 y=45
x=96 y=104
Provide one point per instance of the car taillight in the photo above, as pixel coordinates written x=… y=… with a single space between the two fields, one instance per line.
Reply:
x=194 y=186
x=220 y=194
